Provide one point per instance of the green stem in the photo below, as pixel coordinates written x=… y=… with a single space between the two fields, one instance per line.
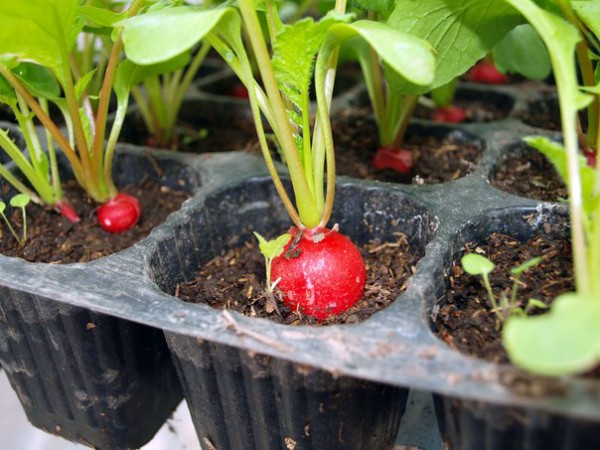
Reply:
x=304 y=200
x=39 y=182
x=54 y=174
x=44 y=118
x=144 y=109
x=88 y=176
x=105 y=176
x=488 y=288
x=410 y=103
x=11 y=229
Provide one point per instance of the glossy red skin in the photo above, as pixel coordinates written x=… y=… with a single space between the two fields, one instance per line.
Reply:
x=590 y=156
x=239 y=91
x=119 y=214
x=320 y=277
x=397 y=159
x=67 y=211
x=485 y=72
x=449 y=114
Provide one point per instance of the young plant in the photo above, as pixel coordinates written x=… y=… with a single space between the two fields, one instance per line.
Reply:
x=18 y=201
x=476 y=264
x=335 y=273
x=53 y=27
x=272 y=249
x=159 y=98
x=459 y=40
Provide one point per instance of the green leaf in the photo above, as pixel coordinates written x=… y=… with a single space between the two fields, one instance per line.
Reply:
x=557 y=155
x=149 y=38
x=2 y=207
x=294 y=51
x=526 y=266
x=47 y=30
x=39 y=80
x=83 y=83
x=476 y=264
x=589 y=13
x=461 y=31
x=410 y=57
x=100 y=16
x=522 y=51
x=535 y=303
x=20 y=201
x=564 y=341
x=381 y=7
x=7 y=93
x=273 y=248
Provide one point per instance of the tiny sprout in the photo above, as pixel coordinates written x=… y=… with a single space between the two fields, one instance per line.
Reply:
x=475 y=264
x=271 y=250
x=21 y=201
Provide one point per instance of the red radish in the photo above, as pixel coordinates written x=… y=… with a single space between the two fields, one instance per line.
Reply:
x=449 y=114
x=396 y=159
x=239 y=91
x=67 y=211
x=119 y=214
x=320 y=272
x=486 y=72
x=590 y=156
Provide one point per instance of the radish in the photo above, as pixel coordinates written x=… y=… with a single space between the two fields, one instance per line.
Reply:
x=119 y=214
x=320 y=272
x=397 y=159
x=449 y=114
x=67 y=211
x=486 y=72
x=590 y=156
x=239 y=91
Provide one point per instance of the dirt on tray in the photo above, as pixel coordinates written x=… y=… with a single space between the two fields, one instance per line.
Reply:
x=51 y=238
x=464 y=318
x=235 y=281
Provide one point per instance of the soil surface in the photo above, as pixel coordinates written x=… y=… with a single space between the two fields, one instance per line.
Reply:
x=529 y=175
x=53 y=239
x=236 y=279
x=464 y=317
x=436 y=159
x=212 y=134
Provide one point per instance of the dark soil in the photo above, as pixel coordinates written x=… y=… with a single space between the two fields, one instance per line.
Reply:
x=529 y=175
x=477 y=111
x=211 y=134
x=464 y=317
x=436 y=159
x=235 y=281
x=53 y=239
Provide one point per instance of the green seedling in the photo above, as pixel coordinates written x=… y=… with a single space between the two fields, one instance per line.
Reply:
x=291 y=58
x=479 y=265
x=21 y=201
x=272 y=249
x=18 y=201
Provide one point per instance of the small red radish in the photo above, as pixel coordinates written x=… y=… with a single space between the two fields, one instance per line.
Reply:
x=397 y=159
x=485 y=72
x=590 y=156
x=449 y=114
x=320 y=272
x=239 y=91
x=119 y=214
x=67 y=211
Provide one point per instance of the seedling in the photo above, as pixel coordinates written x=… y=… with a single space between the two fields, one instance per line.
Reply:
x=335 y=275
x=18 y=201
x=476 y=264
x=272 y=249
x=53 y=27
